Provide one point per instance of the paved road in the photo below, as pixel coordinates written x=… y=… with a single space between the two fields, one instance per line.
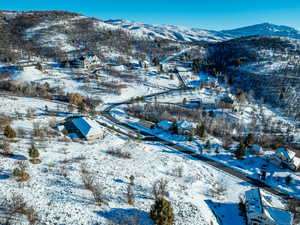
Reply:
x=209 y=161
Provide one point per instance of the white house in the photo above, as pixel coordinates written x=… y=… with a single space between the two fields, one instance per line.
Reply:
x=184 y=128
x=286 y=158
x=89 y=61
x=258 y=214
x=84 y=127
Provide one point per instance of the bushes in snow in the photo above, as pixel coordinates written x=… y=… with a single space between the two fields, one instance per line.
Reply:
x=9 y=132
x=34 y=154
x=17 y=205
x=89 y=183
x=130 y=194
x=159 y=189
x=119 y=153
x=5 y=148
x=20 y=171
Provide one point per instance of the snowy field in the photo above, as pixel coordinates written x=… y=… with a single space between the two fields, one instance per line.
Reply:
x=55 y=189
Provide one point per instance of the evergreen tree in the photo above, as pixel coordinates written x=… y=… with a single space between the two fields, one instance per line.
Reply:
x=240 y=152
x=200 y=130
x=155 y=61
x=162 y=213
x=174 y=127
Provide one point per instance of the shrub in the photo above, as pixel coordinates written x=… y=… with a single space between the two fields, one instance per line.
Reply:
x=34 y=154
x=98 y=195
x=5 y=149
x=75 y=98
x=89 y=183
x=119 y=153
x=161 y=212
x=20 y=172
x=9 y=132
x=178 y=171
x=17 y=205
x=159 y=188
x=130 y=195
x=131 y=178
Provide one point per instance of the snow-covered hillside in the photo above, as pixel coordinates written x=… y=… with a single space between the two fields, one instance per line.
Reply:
x=178 y=33
x=175 y=33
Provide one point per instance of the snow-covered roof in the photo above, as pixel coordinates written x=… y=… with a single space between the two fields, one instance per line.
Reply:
x=256 y=148
x=165 y=124
x=289 y=155
x=296 y=162
x=86 y=126
x=183 y=124
x=282 y=217
x=253 y=202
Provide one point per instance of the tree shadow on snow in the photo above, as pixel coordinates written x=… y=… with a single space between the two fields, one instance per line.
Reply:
x=3 y=176
x=17 y=157
x=126 y=216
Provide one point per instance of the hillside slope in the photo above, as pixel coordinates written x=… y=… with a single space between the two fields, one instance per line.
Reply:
x=58 y=34
x=268 y=67
x=175 y=33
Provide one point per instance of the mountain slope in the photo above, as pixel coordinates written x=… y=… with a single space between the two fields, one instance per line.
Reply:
x=266 y=29
x=175 y=33
x=59 y=34
x=264 y=66
x=185 y=34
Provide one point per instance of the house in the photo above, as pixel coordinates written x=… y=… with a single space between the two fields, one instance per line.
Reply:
x=286 y=158
x=75 y=63
x=27 y=65
x=165 y=125
x=90 y=61
x=185 y=128
x=258 y=214
x=256 y=150
x=83 y=128
x=226 y=102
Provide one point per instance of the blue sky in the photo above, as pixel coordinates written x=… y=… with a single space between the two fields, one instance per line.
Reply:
x=209 y=14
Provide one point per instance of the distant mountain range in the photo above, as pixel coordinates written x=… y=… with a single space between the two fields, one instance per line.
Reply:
x=178 y=33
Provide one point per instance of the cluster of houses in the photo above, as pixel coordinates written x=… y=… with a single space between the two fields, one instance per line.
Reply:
x=286 y=159
x=257 y=213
